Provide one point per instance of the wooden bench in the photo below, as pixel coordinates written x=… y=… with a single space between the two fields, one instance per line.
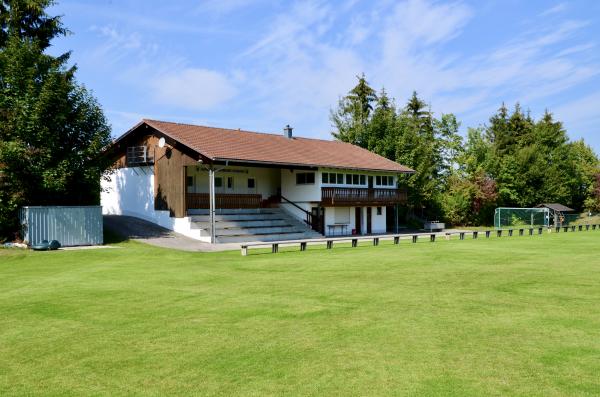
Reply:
x=329 y=241
x=342 y=226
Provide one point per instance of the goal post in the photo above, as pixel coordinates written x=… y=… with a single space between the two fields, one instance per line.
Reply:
x=521 y=217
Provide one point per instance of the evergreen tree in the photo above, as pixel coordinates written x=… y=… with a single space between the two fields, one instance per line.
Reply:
x=52 y=131
x=382 y=129
x=352 y=117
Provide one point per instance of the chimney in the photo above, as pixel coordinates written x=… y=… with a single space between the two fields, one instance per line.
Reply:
x=287 y=131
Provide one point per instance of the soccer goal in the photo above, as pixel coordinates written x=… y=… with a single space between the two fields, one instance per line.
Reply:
x=524 y=217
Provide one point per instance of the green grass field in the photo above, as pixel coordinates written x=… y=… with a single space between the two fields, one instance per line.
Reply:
x=513 y=316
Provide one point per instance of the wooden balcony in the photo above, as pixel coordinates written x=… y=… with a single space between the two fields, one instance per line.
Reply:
x=346 y=196
x=227 y=201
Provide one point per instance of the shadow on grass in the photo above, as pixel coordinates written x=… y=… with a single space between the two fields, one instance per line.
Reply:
x=111 y=237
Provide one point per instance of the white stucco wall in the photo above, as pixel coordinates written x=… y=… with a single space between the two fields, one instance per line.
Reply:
x=300 y=193
x=378 y=222
x=130 y=191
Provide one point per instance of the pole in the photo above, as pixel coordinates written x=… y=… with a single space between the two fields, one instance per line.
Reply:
x=211 y=204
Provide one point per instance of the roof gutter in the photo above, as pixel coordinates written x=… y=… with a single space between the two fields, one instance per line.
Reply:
x=310 y=165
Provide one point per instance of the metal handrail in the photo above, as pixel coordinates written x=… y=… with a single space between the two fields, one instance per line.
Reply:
x=309 y=215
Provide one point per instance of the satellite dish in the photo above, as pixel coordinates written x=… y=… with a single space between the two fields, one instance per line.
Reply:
x=161 y=142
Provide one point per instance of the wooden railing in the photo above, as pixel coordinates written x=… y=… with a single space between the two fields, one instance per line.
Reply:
x=358 y=196
x=227 y=201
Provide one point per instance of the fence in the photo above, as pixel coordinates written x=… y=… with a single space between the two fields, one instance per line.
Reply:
x=71 y=226
x=586 y=218
x=521 y=217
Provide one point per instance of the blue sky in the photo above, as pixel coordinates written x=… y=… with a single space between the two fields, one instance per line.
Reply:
x=259 y=65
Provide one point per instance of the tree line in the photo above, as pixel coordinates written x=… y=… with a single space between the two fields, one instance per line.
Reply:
x=511 y=161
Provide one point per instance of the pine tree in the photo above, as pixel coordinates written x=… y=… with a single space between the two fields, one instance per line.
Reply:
x=352 y=116
x=52 y=131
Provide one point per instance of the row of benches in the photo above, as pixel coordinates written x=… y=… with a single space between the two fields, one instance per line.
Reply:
x=432 y=236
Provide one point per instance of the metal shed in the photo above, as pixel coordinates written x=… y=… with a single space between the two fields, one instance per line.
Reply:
x=71 y=226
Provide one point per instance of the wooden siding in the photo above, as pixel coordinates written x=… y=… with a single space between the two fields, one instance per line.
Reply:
x=169 y=168
x=227 y=201
x=150 y=141
x=169 y=180
x=342 y=196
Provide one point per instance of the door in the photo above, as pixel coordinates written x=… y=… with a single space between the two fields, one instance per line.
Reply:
x=370 y=182
x=369 y=220
x=318 y=219
x=358 y=220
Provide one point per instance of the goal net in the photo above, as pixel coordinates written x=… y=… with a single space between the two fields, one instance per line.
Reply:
x=521 y=217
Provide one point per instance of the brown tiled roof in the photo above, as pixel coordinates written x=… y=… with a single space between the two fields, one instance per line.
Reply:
x=237 y=145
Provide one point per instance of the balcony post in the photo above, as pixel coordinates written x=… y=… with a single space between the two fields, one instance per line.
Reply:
x=211 y=204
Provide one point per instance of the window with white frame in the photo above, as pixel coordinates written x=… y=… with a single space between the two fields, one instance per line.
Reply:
x=384 y=180
x=330 y=178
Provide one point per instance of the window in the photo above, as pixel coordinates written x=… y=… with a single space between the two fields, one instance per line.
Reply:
x=229 y=182
x=305 y=178
x=379 y=211
x=338 y=179
x=138 y=155
x=218 y=182
x=190 y=181
x=384 y=180
x=251 y=183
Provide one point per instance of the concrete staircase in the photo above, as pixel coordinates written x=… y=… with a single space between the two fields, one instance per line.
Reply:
x=245 y=225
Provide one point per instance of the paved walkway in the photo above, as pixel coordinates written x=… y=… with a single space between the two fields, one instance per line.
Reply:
x=131 y=228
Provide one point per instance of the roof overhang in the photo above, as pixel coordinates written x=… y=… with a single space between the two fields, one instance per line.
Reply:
x=171 y=140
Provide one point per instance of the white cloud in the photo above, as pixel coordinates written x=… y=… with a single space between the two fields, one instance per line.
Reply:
x=309 y=54
x=299 y=70
x=558 y=8
x=193 y=88
x=581 y=118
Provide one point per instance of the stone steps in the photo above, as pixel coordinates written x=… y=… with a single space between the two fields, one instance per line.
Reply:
x=237 y=217
x=245 y=225
x=242 y=223
x=266 y=237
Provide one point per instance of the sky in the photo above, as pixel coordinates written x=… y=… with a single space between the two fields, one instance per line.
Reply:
x=259 y=65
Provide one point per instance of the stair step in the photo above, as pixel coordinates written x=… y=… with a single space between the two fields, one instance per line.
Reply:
x=237 y=231
x=245 y=225
x=238 y=217
x=266 y=237
x=242 y=223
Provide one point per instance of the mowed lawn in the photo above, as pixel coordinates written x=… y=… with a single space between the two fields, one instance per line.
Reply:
x=516 y=316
